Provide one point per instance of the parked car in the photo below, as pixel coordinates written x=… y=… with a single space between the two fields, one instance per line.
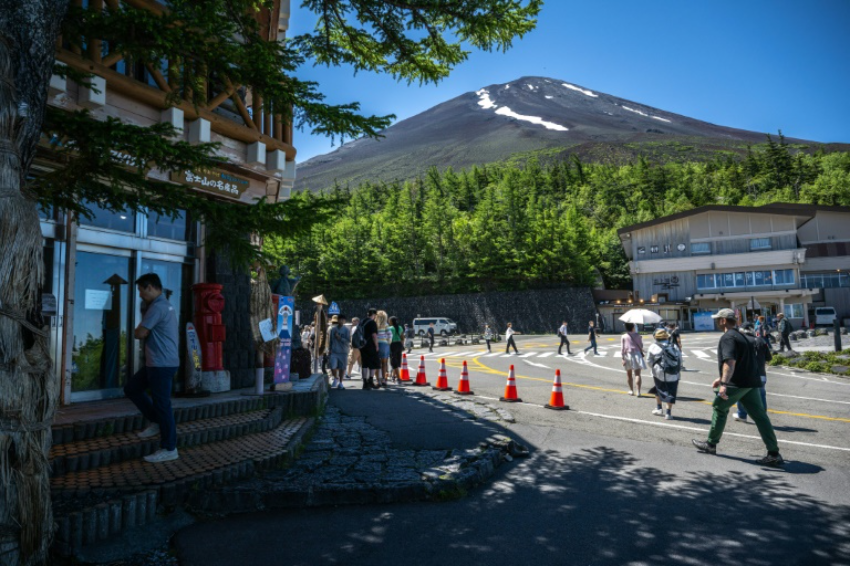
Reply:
x=824 y=316
x=442 y=326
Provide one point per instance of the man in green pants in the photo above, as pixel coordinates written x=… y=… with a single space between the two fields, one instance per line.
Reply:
x=738 y=381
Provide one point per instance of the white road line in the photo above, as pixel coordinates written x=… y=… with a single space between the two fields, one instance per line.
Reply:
x=528 y=355
x=536 y=364
x=546 y=355
x=492 y=355
x=700 y=354
x=459 y=354
x=618 y=353
x=771 y=394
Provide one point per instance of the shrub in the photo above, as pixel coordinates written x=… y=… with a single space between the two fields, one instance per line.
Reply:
x=817 y=367
x=777 y=361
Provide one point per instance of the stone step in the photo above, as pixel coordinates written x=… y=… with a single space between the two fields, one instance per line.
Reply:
x=94 y=505
x=80 y=456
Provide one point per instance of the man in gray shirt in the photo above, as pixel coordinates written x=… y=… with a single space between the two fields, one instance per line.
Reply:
x=340 y=339
x=159 y=331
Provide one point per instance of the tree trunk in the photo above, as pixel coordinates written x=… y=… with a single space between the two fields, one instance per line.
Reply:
x=28 y=388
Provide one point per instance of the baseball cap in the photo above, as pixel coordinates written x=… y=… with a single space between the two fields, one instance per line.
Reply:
x=724 y=313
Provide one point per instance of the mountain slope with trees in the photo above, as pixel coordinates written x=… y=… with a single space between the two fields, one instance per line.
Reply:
x=507 y=227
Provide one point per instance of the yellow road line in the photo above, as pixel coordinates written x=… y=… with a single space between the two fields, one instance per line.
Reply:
x=486 y=369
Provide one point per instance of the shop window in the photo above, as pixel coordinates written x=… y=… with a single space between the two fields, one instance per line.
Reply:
x=706 y=281
x=701 y=248
x=101 y=218
x=783 y=277
x=794 y=310
x=163 y=226
x=759 y=244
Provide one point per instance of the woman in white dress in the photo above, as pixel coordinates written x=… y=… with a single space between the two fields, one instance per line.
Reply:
x=631 y=347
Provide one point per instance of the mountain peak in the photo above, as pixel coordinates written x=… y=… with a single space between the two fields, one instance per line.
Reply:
x=527 y=115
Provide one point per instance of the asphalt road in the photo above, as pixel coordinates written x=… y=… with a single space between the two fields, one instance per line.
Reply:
x=608 y=482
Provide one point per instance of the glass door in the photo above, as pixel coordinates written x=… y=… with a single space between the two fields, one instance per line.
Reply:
x=102 y=297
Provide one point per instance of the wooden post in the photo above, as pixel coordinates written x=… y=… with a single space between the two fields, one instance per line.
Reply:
x=278 y=127
x=95 y=46
x=258 y=110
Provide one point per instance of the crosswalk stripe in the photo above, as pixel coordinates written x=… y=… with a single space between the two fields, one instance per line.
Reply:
x=700 y=354
x=546 y=355
x=528 y=355
x=459 y=354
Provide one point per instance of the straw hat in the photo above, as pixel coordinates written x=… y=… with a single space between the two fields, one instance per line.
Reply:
x=661 y=334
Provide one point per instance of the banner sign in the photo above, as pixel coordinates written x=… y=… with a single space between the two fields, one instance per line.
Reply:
x=334 y=309
x=703 y=321
x=286 y=306
x=213 y=181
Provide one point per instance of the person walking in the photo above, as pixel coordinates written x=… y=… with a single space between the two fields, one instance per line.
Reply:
x=675 y=337
x=369 y=359
x=339 y=338
x=158 y=330
x=664 y=358
x=488 y=336
x=738 y=381
x=509 y=336
x=409 y=335
x=396 y=346
x=631 y=350
x=591 y=337
x=784 y=333
x=430 y=333
x=563 y=332
x=353 y=353
x=383 y=346
x=763 y=355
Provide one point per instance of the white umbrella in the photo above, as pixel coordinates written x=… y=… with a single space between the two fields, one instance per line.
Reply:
x=641 y=316
x=753 y=304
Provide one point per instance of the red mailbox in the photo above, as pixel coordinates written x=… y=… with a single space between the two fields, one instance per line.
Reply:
x=209 y=303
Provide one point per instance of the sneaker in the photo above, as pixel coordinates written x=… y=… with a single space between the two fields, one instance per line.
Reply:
x=774 y=461
x=162 y=455
x=738 y=417
x=668 y=417
x=631 y=392
x=334 y=383
x=340 y=386
x=704 y=446
x=347 y=377
x=657 y=412
x=151 y=431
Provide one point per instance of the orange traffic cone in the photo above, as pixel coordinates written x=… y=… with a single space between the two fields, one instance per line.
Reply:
x=404 y=377
x=556 y=401
x=510 y=389
x=421 y=381
x=463 y=384
x=442 y=378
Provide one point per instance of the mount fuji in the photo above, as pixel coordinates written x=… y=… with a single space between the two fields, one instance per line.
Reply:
x=529 y=116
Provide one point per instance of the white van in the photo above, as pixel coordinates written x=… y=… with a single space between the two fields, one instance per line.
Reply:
x=442 y=326
x=824 y=316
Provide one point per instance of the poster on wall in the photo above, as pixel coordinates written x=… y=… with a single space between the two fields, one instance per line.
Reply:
x=286 y=307
x=703 y=321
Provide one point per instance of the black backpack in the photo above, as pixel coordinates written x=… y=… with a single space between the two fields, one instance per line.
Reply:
x=358 y=338
x=669 y=359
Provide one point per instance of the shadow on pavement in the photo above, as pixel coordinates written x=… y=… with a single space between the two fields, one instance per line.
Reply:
x=594 y=506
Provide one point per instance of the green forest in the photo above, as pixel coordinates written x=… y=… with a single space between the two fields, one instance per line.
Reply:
x=509 y=226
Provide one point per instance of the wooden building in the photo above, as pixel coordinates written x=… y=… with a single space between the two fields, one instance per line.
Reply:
x=91 y=264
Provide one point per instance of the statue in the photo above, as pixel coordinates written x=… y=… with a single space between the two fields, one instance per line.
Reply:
x=285 y=286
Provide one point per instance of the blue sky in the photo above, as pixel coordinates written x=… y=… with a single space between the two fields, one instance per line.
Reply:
x=760 y=65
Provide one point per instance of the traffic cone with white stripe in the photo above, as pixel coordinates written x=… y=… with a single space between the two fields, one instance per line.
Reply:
x=510 y=389
x=421 y=380
x=404 y=377
x=442 y=378
x=463 y=384
x=556 y=400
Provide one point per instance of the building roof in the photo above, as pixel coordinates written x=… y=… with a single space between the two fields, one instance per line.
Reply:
x=786 y=208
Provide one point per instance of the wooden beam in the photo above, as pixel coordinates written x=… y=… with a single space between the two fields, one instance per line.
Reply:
x=158 y=78
x=156 y=98
x=112 y=59
x=221 y=97
x=278 y=128
x=240 y=106
x=154 y=7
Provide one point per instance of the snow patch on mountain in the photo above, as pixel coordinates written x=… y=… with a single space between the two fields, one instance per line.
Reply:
x=645 y=114
x=485 y=102
x=505 y=111
x=484 y=99
x=660 y=118
x=581 y=90
x=547 y=97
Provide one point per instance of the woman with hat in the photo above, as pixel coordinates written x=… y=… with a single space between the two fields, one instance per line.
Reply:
x=665 y=359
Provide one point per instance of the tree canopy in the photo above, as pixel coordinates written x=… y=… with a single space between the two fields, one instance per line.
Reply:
x=501 y=227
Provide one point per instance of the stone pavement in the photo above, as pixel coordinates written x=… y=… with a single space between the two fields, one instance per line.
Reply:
x=390 y=445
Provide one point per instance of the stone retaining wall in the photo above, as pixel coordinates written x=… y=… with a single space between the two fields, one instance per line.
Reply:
x=538 y=311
